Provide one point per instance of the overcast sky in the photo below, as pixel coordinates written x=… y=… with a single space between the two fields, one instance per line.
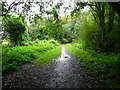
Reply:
x=35 y=8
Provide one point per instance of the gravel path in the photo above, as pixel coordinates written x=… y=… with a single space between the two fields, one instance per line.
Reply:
x=64 y=72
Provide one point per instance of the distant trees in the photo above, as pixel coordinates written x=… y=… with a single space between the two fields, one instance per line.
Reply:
x=47 y=28
x=72 y=28
x=40 y=28
x=98 y=28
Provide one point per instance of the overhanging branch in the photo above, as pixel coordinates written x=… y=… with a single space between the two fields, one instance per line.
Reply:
x=10 y=7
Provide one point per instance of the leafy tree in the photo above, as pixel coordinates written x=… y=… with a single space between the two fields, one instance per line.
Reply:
x=104 y=16
x=15 y=28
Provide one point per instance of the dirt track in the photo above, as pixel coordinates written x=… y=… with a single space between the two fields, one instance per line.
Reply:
x=64 y=72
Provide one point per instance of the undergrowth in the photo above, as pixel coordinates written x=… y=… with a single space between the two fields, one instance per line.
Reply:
x=13 y=57
x=104 y=68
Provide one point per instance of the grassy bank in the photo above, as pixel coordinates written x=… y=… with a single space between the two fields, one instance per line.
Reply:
x=49 y=55
x=104 y=68
x=13 y=57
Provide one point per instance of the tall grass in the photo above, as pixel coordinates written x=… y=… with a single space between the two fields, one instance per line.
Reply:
x=104 y=68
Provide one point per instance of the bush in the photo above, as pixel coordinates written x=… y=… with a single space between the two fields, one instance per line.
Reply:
x=54 y=42
x=13 y=57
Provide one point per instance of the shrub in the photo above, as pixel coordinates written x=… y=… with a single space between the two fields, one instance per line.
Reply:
x=54 y=42
x=13 y=57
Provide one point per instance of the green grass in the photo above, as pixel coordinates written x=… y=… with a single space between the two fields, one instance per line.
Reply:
x=104 y=68
x=13 y=57
x=52 y=54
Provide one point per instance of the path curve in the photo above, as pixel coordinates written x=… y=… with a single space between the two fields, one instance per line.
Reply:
x=64 y=72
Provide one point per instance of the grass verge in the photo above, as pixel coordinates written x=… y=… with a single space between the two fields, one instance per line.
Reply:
x=103 y=68
x=13 y=57
x=49 y=55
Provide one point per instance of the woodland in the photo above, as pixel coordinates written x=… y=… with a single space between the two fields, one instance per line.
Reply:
x=89 y=30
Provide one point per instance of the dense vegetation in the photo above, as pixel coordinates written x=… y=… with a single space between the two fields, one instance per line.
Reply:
x=94 y=35
x=37 y=54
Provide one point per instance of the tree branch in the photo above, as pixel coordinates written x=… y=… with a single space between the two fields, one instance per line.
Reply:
x=10 y=7
x=95 y=18
x=93 y=9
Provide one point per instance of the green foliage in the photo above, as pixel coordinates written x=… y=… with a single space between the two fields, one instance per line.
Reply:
x=105 y=16
x=53 y=30
x=43 y=58
x=13 y=57
x=90 y=35
x=65 y=40
x=104 y=68
x=97 y=30
x=71 y=28
x=113 y=36
x=25 y=38
x=46 y=29
x=101 y=38
x=15 y=29
x=54 y=42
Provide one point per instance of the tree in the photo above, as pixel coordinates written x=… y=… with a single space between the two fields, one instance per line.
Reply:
x=104 y=16
x=15 y=28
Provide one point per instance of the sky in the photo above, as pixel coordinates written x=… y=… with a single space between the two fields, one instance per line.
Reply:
x=35 y=8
